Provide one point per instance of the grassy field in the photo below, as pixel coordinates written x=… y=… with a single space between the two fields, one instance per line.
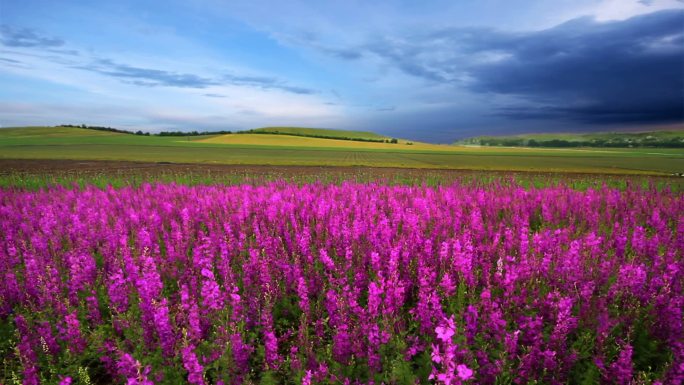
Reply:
x=596 y=139
x=669 y=134
x=304 y=131
x=302 y=141
x=261 y=149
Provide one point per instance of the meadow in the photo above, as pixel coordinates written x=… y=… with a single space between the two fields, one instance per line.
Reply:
x=262 y=149
x=187 y=264
x=352 y=283
x=36 y=174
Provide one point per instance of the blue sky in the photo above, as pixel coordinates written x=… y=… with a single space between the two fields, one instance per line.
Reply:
x=434 y=71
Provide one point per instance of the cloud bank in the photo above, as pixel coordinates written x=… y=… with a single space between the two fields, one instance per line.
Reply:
x=629 y=71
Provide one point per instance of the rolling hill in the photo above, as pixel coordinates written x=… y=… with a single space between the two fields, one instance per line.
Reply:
x=75 y=143
x=40 y=132
x=652 y=139
x=319 y=133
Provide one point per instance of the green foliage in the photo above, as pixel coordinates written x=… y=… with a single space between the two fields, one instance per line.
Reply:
x=400 y=371
x=587 y=373
x=193 y=133
x=268 y=378
x=8 y=341
x=584 y=371
x=141 y=133
x=654 y=139
x=326 y=134
x=317 y=132
x=650 y=354
x=98 y=128
x=286 y=313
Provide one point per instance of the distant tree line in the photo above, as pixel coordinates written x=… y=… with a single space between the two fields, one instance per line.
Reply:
x=192 y=133
x=139 y=132
x=223 y=132
x=616 y=142
x=356 y=139
x=100 y=128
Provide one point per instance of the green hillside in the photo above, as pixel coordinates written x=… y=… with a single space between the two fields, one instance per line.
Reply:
x=653 y=139
x=40 y=132
x=319 y=133
x=72 y=143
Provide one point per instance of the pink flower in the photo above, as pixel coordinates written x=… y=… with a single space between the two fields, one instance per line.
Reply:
x=445 y=332
x=306 y=380
x=464 y=372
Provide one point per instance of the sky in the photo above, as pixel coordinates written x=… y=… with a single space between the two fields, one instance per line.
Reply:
x=434 y=71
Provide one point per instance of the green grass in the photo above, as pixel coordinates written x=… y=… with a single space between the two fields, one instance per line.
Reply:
x=598 y=135
x=198 y=175
x=646 y=138
x=80 y=144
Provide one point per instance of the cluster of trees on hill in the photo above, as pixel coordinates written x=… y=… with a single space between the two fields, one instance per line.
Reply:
x=616 y=142
x=356 y=139
x=163 y=133
x=100 y=128
x=192 y=133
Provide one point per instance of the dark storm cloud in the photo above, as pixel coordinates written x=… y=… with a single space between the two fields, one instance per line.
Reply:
x=628 y=71
x=599 y=114
x=26 y=37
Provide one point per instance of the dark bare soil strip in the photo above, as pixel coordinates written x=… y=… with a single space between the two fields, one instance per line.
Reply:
x=124 y=169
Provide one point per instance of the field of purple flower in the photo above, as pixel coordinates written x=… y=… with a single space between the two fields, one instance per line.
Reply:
x=351 y=283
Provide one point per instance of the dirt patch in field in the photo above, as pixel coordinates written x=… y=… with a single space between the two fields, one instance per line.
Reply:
x=119 y=169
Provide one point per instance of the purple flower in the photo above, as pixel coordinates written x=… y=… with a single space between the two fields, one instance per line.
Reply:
x=190 y=363
x=446 y=330
x=464 y=372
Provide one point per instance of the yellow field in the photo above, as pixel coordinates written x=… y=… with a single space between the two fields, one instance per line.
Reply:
x=301 y=141
x=291 y=141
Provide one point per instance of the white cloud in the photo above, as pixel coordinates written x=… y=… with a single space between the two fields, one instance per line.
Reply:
x=98 y=98
x=607 y=10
